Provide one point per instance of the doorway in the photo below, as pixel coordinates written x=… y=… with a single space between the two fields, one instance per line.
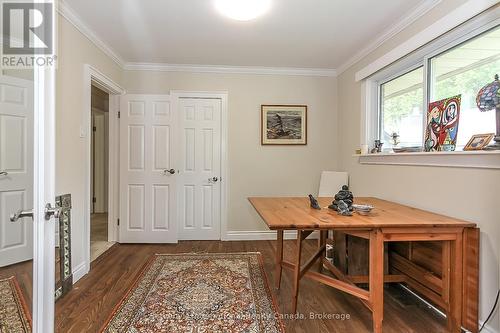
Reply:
x=99 y=240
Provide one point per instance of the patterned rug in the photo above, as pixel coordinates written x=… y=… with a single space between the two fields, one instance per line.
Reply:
x=14 y=314
x=199 y=293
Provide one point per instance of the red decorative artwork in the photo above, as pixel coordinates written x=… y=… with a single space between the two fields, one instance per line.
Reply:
x=442 y=124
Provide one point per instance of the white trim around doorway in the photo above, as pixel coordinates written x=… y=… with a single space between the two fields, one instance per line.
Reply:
x=92 y=76
x=223 y=96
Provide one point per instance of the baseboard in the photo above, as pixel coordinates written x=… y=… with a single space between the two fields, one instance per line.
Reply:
x=262 y=235
x=79 y=272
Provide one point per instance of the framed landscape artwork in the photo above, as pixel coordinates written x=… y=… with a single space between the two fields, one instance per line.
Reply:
x=283 y=124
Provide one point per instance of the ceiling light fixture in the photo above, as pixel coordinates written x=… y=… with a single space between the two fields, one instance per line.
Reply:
x=242 y=10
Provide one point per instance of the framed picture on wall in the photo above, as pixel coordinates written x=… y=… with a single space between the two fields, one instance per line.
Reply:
x=283 y=124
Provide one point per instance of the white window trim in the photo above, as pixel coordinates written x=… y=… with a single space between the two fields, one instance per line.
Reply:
x=370 y=96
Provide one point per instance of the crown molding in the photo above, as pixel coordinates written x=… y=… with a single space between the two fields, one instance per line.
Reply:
x=451 y=20
x=69 y=14
x=420 y=10
x=162 y=67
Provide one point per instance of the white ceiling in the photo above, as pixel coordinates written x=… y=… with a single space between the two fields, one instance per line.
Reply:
x=294 y=33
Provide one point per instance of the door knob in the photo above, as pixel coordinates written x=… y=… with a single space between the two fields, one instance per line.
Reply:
x=51 y=211
x=213 y=180
x=171 y=171
x=3 y=173
x=20 y=214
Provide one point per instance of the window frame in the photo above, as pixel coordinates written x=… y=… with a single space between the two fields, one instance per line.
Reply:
x=371 y=91
x=389 y=79
x=434 y=49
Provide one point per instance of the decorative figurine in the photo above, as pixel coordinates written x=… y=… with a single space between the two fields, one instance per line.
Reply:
x=343 y=208
x=314 y=202
x=378 y=147
x=343 y=201
x=395 y=139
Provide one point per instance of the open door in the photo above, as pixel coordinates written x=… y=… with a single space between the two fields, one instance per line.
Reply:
x=44 y=213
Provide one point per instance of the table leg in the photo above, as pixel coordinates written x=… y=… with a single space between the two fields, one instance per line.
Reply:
x=445 y=275
x=279 y=259
x=376 y=278
x=454 y=320
x=321 y=241
x=296 y=272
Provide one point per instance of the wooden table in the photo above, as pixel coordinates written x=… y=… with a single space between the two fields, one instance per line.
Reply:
x=388 y=222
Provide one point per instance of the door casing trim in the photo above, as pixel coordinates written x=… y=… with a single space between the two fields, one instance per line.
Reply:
x=93 y=76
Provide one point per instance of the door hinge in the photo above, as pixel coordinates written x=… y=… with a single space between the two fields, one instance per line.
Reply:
x=118 y=221
x=119 y=114
x=94 y=128
x=94 y=200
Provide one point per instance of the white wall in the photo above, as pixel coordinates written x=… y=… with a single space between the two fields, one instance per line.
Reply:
x=74 y=51
x=470 y=194
x=254 y=169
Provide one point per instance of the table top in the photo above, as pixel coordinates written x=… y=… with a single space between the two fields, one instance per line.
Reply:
x=295 y=213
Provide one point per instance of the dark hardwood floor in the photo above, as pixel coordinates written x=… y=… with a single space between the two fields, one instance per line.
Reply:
x=88 y=305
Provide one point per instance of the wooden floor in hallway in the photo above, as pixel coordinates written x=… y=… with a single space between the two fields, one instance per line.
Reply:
x=89 y=304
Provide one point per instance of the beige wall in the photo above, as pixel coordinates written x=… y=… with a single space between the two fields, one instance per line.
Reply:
x=254 y=169
x=74 y=52
x=470 y=194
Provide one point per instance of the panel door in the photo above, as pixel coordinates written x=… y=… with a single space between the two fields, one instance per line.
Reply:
x=200 y=159
x=147 y=186
x=16 y=168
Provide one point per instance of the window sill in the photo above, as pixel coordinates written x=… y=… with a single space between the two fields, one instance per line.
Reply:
x=458 y=159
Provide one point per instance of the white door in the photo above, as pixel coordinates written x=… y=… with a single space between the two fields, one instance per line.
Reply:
x=16 y=168
x=147 y=170
x=199 y=191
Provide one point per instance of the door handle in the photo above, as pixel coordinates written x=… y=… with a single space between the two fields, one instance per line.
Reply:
x=171 y=171
x=51 y=211
x=3 y=173
x=213 y=180
x=20 y=214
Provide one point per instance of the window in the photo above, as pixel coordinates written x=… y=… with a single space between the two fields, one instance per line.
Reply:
x=464 y=70
x=401 y=108
x=462 y=67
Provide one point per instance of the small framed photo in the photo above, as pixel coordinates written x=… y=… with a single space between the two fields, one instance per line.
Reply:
x=283 y=125
x=479 y=141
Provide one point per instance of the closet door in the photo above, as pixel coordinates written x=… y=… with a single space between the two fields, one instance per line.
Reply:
x=199 y=183
x=147 y=170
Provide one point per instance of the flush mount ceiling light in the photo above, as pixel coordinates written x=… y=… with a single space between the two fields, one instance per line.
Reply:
x=242 y=10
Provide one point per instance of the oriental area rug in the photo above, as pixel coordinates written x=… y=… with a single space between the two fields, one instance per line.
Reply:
x=14 y=314
x=199 y=293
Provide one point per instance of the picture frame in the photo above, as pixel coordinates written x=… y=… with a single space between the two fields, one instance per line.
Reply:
x=479 y=141
x=283 y=124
